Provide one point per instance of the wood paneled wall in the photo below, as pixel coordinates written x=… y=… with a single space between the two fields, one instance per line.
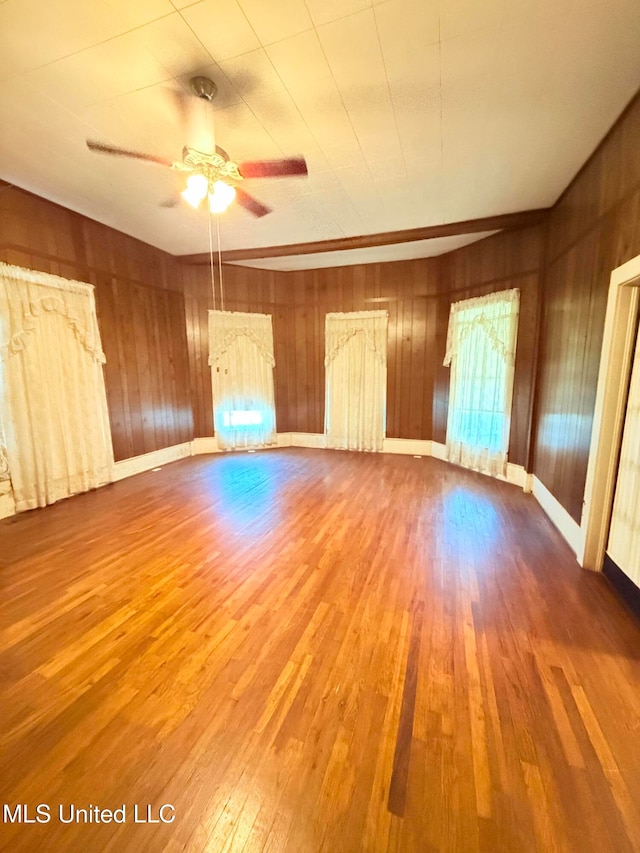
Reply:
x=417 y=295
x=407 y=291
x=594 y=228
x=299 y=302
x=140 y=312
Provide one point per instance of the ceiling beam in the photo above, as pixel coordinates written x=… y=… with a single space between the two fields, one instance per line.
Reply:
x=470 y=226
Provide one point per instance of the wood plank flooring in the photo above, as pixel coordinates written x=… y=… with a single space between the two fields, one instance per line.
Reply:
x=305 y=650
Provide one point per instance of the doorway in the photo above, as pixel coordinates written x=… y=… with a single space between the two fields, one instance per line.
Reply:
x=622 y=555
x=618 y=350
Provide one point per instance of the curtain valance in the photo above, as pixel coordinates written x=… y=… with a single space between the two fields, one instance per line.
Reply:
x=496 y=314
x=226 y=326
x=26 y=295
x=341 y=327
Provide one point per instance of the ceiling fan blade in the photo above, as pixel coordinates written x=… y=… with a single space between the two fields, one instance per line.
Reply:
x=273 y=168
x=251 y=204
x=125 y=152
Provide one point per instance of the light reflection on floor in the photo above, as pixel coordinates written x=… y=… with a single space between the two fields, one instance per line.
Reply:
x=465 y=510
x=243 y=488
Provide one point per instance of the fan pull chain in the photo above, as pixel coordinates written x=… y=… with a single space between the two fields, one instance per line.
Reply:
x=211 y=263
x=220 y=263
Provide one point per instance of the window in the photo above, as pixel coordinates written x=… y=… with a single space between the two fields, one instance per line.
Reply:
x=481 y=345
x=241 y=359
x=241 y=418
x=53 y=405
x=356 y=380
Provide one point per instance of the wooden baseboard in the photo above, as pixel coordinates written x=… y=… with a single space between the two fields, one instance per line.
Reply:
x=439 y=451
x=308 y=439
x=138 y=464
x=516 y=474
x=568 y=526
x=206 y=444
x=407 y=446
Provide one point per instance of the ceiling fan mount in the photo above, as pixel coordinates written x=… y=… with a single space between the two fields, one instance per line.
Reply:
x=214 y=175
x=203 y=88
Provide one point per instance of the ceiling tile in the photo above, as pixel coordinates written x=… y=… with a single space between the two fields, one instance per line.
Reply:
x=353 y=179
x=408 y=203
x=292 y=17
x=353 y=52
x=396 y=38
x=240 y=133
x=373 y=114
x=470 y=58
x=377 y=147
x=388 y=170
x=461 y=17
x=33 y=33
x=146 y=120
x=319 y=180
x=468 y=78
x=323 y=111
x=282 y=120
x=323 y=11
x=420 y=166
x=252 y=75
x=183 y=4
x=414 y=71
x=101 y=72
x=173 y=43
x=222 y=27
x=299 y=60
x=542 y=11
x=139 y=12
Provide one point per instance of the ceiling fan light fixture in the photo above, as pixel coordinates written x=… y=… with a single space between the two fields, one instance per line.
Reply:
x=221 y=197
x=190 y=198
x=197 y=189
x=198 y=185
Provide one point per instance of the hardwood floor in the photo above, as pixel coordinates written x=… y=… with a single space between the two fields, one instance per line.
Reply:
x=314 y=651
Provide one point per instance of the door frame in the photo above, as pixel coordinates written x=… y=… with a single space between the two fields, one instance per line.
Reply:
x=611 y=403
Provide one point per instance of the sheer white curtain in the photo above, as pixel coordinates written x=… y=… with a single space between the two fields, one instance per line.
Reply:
x=481 y=348
x=54 y=406
x=242 y=362
x=356 y=380
x=624 y=533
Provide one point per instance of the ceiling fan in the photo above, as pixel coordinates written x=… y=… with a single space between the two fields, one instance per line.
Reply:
x=215 y=175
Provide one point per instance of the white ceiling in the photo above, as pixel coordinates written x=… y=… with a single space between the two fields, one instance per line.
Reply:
x=410 y=113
